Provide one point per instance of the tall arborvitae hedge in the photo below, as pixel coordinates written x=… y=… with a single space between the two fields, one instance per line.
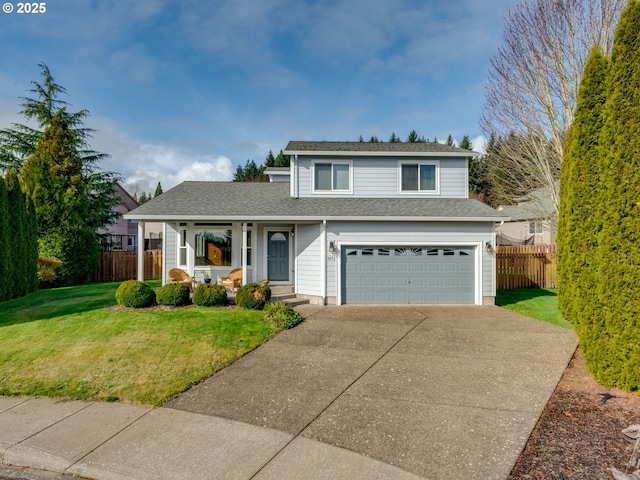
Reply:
x=4 y=242
x=613 y=342
x=600 y=217
x=580 y=217
x=21 y=268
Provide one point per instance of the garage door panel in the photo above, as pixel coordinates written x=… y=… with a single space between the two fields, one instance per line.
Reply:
x=408 y=275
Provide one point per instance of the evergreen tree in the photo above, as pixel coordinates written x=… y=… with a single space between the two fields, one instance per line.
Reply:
x=412 y=137
x=282 y=160
x=270 y=160
x=611 y=347
x=19 y=143
x=5 y=259
x=580 y=217
x=53 y=177
x=158 y=191
x=374 y=139
x=250 y=173
x=450 y=141
x=20 y=278
x=394 y=138
x=360 y=139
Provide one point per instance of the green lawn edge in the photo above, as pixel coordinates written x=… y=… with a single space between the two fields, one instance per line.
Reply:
x=539 y=303
x=75 y=343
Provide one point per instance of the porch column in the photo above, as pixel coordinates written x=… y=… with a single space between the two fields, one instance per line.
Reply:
x=141 y=250
x=323 y=262
x=244 y=252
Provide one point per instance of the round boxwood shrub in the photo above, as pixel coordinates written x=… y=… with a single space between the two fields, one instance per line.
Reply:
x=253 y=296
x=136 y=294
x=209 y=295
x=173 y=294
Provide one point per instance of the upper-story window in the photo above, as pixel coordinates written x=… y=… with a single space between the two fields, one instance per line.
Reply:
x=419 y=177
x=332 y=177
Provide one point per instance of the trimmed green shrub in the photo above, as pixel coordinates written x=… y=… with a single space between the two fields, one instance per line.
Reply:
x=253 y=296
x=136 y=294
x=281 y=316
x=209 y=295
x=173 y=294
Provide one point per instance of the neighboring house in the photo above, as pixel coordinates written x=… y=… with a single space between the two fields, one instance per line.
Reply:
x=354 y=223
x=123 y=234
x=532 y=221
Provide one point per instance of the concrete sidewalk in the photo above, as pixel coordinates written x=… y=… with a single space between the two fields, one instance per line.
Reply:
x=352 y=392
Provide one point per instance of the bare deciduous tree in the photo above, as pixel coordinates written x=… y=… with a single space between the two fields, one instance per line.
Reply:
x=532 y=87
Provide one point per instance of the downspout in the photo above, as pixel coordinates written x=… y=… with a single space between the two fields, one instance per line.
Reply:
x=323 y=263
x=141 y=250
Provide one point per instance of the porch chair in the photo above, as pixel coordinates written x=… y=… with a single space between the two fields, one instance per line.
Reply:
x=232 y=281
x=177 y=275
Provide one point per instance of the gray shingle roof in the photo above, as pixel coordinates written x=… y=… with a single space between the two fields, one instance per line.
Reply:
x=400 y=147
x=271 y=201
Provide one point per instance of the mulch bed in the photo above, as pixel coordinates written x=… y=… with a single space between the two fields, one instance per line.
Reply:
x=579 y=435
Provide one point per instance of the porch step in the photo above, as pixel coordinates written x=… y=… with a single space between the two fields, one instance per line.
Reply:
x=290 y=299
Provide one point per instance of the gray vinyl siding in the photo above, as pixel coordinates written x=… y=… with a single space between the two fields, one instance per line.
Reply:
x=441 y=233
x=378 y=177
x=170 y=249
x=308 y=259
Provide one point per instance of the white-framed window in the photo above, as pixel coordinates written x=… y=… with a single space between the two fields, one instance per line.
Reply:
x=182 y=246
x=535 y=227
x=419 y=177
x=213 y=244
x=332 y=177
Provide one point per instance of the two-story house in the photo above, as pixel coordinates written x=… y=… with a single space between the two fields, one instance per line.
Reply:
x=349 y=222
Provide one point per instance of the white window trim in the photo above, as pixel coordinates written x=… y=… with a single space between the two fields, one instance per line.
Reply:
x=435 y=163
x=332 y=163
x=536 y=224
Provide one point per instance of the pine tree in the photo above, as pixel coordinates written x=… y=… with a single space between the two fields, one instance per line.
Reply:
x=282 y=160
x=412 y=137
x=158 y=191
x=394 y=138
x=270 y=160
x=374 y=139
x=450 y=141
x=580 y=218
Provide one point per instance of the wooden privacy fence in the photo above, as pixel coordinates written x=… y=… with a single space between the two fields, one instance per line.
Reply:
x=526 y=266
x=119 y=266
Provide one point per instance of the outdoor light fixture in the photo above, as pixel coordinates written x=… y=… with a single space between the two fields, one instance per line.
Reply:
x=293 y=232
x=489 y=247
x=332 y=246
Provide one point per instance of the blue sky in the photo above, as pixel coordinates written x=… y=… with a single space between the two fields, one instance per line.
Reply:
x=189 y=90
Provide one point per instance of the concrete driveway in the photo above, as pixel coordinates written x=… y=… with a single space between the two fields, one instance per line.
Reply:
x=439 y=392
x=397 y=393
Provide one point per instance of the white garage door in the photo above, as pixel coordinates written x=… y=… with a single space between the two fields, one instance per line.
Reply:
x=438 y=275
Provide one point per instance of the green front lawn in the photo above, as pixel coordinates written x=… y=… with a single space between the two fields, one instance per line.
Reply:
x=540 y=303
x=72 y=342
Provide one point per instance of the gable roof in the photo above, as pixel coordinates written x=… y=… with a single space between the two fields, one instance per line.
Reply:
x=376 y=148
x=262 y=201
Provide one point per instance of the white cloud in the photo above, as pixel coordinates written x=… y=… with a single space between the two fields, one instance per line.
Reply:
x=142 y=165
x=479 y=144
x=146 y=180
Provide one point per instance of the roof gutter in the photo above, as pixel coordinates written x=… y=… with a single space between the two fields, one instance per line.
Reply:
x=308 y=218
x=343 y=153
